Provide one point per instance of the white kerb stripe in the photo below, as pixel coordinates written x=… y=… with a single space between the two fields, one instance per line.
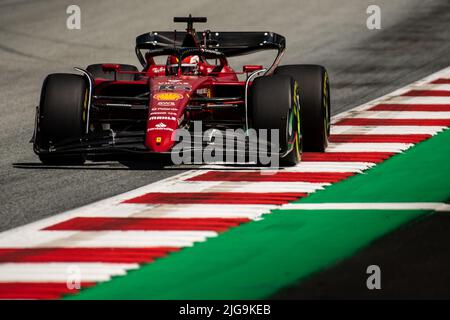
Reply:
x=383 y=130
x=433 y=86
x=416 y=100
x=104 y=239
x=61 y=272
x=185 y=211
x=307 y=166
x=403 y=115
x=238 y=186
x=368 y=147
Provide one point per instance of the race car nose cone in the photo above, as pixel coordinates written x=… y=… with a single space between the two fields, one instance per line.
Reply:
x=159 y=140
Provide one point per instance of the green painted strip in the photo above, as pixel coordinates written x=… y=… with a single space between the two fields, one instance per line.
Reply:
x=419 y=175
x=257 y=259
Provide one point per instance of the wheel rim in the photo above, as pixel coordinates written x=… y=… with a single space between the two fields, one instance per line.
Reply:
x=293 y=127
x=298 y=135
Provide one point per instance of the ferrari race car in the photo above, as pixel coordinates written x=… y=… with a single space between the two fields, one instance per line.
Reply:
x=111 y=109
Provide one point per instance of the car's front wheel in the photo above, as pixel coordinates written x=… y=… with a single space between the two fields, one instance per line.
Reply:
x=61 y=116
x=314 y=90
x=274 y=104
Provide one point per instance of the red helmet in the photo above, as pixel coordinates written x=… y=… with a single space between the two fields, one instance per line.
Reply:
x=189 y=65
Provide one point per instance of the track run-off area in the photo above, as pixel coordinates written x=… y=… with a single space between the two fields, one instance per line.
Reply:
x=238 y=232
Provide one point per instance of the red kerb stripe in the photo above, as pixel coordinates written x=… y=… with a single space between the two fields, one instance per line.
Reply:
x=427 y=93
x=441 y=81
x=31 y=290
x=374 y=157
x=381 y=138
x=216 y=198
x=411 y=107
x=105 y=255
x=318 y=177
x=147 y=224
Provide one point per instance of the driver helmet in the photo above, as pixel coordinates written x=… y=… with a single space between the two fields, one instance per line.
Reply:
x=189 y=65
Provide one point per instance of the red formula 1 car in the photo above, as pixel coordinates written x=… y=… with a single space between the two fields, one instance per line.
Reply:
x=113 y=109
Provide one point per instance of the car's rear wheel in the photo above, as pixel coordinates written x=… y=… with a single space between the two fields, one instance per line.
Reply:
x=314 y=90
x=61 y=116
x=274 y=105
x=96 y=70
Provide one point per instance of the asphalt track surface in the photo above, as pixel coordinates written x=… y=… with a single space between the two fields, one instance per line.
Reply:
x=363 y=64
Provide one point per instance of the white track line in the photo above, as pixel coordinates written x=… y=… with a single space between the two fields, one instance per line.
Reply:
x=365 y=206
x=443 y=208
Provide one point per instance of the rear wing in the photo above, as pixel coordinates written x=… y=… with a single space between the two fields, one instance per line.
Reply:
x=229 y=43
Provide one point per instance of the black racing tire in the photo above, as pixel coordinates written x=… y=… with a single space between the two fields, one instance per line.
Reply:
x=314 y=89
x=62 y=112
x=274 y=105
x=96 y=71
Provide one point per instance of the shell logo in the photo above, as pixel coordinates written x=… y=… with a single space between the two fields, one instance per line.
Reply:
x=168 y=96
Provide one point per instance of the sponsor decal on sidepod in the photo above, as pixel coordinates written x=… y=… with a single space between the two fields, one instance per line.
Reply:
x=168 y=96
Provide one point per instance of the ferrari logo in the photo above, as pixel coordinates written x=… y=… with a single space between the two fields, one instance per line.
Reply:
x=158 y=139
x=168 y=96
